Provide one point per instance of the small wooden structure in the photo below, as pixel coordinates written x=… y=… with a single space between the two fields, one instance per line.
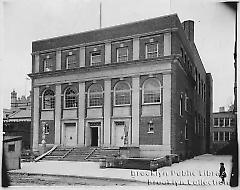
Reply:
x=12 y=151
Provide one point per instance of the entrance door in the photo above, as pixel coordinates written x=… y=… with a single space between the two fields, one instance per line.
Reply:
x=70 y=134
x=119 y=135
x=94 y=136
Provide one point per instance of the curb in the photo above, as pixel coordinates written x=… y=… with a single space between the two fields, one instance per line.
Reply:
x=74 y=176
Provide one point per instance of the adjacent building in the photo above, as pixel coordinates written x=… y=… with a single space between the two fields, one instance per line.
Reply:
x=140 y=84
x=222 y=130
x=17 y=119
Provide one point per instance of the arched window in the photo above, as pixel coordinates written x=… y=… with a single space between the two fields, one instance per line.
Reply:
x=122 y=93
x=48 y=99
x=70 y=98
x=151 y=91
x=95 y=95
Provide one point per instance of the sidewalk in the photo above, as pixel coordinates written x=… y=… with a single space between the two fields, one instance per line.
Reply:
x=201 y=170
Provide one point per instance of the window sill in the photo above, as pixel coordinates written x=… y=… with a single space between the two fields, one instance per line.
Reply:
x=122 y=105
x=149 y=104
x=150 y=132
x=52 y=109
x=93 y=107
x=72 y=108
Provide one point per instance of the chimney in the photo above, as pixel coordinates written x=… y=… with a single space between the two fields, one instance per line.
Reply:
x=13 y=98
x=188 y=27
x=222 y=109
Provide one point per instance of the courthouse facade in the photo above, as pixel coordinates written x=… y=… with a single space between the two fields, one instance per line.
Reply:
x=139 y=84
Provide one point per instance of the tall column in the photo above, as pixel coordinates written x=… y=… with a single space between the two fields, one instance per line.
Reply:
x=81 y=113
x=135 y=111
x=82 y=56
x=135 y=48
x=35 y=118
x=108 y=53
x=107 y=111
x=167 y=44
x=58 y=60
x=167 y=111
x=58 y=114
x=36 y=63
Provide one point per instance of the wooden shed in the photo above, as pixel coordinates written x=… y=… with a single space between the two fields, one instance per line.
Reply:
x=12 y=151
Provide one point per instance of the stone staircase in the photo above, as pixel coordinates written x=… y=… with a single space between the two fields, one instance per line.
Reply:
x=79 y=154
x=58 y=154
x=82 y=154
x=101 y=153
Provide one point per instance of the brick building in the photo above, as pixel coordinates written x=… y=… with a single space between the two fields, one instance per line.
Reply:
x=139 y=84
x=222 y=130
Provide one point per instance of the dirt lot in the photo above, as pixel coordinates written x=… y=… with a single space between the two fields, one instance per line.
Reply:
x=35 y=180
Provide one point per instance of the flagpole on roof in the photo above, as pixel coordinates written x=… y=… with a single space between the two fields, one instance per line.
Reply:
x=100 y=14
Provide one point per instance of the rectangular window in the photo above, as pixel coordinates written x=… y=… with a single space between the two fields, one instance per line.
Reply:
x=96 y=58
x=221 y=136
x=186 y=131
x=181 y=105
x=71 y=61
x=122 y=54
x=215 y=136
x=232 y=122
x=227 y=136
x=48 y=64
x=227 y=122
x=221 y=122
x=46 y=128
x=11 y=148
x=215 y=122
x=151 y=50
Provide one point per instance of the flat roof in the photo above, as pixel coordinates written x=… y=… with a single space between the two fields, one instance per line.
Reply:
x=113 y=32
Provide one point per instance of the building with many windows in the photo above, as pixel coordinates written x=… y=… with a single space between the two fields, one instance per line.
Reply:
x=139 y=84
x=222 y=130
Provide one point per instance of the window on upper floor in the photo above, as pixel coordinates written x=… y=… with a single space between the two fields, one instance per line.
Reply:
x=215 y=136
x=221 y=135
x=226 y=136
x=232 y=122
x=151 y=91
x=122 y=93
x=48 y=100
x=151 y=50
x=95 y=95
x=70 y=97
x=122 y=54
x=227 y=122
x=186 y=131
x=96 y=58
x=187 y=102
x=181 y=105
x=221 y=122
x=215 y=122
x=71 y=61
x=47 y=64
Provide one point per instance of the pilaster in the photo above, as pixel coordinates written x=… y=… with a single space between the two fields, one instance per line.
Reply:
x=107 y=111
x=58 y=114
x=35 y=118
x=81 y=113
x=135 y=111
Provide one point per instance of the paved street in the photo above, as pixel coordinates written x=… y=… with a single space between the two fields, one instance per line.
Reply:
x=199 y=171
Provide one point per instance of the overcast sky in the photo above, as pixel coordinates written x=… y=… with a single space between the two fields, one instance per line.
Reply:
x=26 y=21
